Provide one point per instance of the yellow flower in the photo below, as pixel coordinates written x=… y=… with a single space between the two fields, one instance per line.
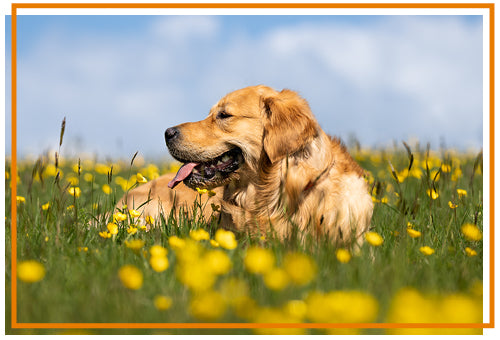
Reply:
x=176 y=242
x=46 y=206
x=150 y=220
x=451 y=205
x=456 y=174
x=70 y=207
x=162 y=302
x=343 y=255
x=470 y=252
x=445 y=168
x=131 y=230
x=214 y=243
x=134 y=244
x=341 y=307
x=207 y=306
x=141 y=178
x=134 y=213
x=112 y=228
x=75 y=191
x=296 y=308
x=426 y=250
x=413 y=233
x=119 y=217
x=410 y=306
x=131 y=277
x=471 y=232
x=143 y=228
x=106 y=189
x=206 y=191
x=105 y=234
x=461 y=193
x=258 y=260
x=158 y=250
x=199 y=235
x=276 y=279
x=30 y=271
x=20 y=199
x=374 y=238
x=300 y=268
x=73 y=180
x=88 y=177
x=226 y=239
x=218 y=262
x=432 y=193
x=159 y=263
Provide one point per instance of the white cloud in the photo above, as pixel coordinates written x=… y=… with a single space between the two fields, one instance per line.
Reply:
x=388 y=79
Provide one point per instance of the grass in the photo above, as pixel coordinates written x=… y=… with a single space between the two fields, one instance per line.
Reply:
x=81 y=282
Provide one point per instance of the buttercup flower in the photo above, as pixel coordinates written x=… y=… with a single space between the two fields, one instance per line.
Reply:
x=75 y=191
x=207 y=306
x=134 y=244
x=426 y=250
x=451 y=205
x=150 y=220
x=413 y=233
x=300 y=268
x=132 y=230
x=134 y=213
x=158 y=250
x=218 y=262
x=119 y=217
x=176 y=242
x=461 y=193
x=258 y=260
x=226 y=239
x=46 y=206
x=131 y=277
x=199 y=235
x=162 y=302
x=141 y=178
x=106 y=189
x=276 y=279
x=105 y=234
x=343 y=255
x=112 y=228
x=432 y=194
x=470 y=252
x=471 y=232
x=374 y=238
x=206 y=191
x=30 y=271
x=159 y=263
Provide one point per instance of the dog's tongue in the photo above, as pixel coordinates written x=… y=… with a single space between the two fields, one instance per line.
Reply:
x=183 y=172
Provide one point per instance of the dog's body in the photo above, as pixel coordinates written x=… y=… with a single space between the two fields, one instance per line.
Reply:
x=272 y=168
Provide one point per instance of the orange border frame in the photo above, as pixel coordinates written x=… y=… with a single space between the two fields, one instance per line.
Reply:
x=16 y=325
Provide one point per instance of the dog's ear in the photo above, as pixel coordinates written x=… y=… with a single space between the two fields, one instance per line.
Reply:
x=289 y=124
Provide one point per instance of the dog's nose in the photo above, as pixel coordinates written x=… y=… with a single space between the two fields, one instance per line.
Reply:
x=171 y=133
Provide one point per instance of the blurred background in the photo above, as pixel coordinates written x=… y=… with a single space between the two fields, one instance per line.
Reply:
x=120 y=81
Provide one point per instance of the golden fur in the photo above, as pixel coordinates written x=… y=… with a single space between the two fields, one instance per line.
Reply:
x=293 y=175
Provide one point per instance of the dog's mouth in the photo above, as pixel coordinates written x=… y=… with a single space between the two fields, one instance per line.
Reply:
x=207 y=175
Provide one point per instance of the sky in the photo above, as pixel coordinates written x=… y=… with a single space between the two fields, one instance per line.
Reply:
x=120 y=81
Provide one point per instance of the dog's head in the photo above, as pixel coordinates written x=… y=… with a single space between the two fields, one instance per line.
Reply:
x=243 y=128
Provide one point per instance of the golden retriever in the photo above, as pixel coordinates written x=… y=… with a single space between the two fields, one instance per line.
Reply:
x=271 y=165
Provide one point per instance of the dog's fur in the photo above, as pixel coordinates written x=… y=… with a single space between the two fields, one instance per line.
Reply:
x=293 y=176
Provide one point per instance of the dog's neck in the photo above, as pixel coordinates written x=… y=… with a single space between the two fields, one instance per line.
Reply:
x=278 y=188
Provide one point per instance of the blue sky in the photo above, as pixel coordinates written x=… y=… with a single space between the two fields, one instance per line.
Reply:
x=120 y=81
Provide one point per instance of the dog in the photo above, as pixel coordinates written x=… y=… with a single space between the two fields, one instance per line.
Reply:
x=271 y=166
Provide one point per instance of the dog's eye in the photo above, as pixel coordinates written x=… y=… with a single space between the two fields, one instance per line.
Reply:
x=223 y=115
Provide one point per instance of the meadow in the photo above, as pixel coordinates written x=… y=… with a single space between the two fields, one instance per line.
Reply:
x=421 y=261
